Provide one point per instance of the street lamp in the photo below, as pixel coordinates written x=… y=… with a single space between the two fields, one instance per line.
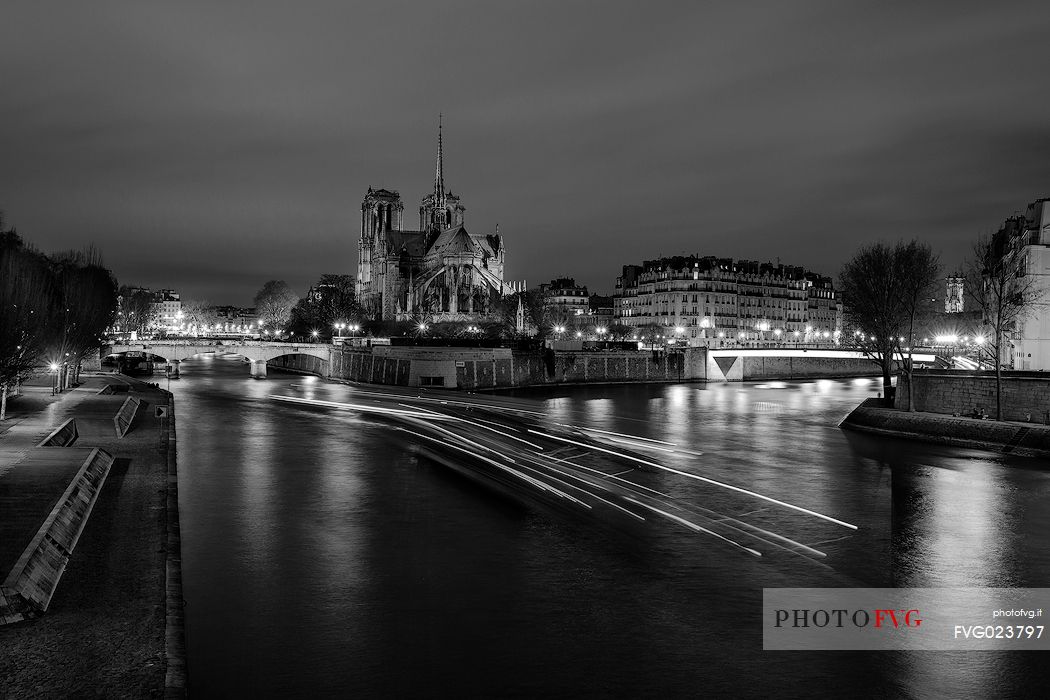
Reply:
x=314 y=335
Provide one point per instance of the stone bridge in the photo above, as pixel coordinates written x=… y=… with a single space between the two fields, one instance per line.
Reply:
x=258 y=353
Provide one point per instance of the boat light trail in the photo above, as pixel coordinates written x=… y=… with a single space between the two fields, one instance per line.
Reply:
x=694 y=526
x=704 y=479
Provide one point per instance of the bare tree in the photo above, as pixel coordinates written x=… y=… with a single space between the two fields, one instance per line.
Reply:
x=919 y=274
x=26 y=300
x=87 y=297
x=997 y=282
x=135 y=311
x=198 y=313
x=274 y=304
x=875 y=288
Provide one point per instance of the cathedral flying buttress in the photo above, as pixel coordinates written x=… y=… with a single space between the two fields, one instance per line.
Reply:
x=440 y=272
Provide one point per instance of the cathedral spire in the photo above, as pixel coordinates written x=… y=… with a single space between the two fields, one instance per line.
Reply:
x=439 y=175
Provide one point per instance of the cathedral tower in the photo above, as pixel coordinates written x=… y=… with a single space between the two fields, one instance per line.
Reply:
x=381 y=211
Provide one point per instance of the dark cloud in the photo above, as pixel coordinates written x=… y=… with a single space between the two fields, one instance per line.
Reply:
x=214 y=146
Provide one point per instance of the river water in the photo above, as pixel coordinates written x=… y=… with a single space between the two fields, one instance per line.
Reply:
x=321 y=556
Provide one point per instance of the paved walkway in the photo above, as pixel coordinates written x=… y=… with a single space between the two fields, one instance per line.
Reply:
x=103 y=634
x=36 y=412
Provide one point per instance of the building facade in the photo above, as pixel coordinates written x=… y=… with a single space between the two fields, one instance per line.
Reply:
x=438 y=272
x=564 y=300
x=704 y=299
x=166 y=308
x=1024 y=242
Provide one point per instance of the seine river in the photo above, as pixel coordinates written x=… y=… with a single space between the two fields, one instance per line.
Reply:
x=323 y=557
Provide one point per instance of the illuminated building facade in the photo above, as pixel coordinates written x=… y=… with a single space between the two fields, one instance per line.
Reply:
x=704 y=299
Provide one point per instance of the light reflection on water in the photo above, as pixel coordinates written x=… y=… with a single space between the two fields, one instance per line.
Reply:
x=321 y=556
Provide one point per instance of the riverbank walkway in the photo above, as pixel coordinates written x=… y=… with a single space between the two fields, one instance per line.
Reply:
x=103 y=633
x=1007 y=437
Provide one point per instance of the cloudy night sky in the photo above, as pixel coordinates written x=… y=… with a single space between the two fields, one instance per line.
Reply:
x=212 y=146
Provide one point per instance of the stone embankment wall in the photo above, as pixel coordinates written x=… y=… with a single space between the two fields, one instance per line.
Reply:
x=598 y=367
x=1025 y=397
x=759 y=368
x=490 y=368
x=1010 y=438
x=496 y=368
x=727 y=365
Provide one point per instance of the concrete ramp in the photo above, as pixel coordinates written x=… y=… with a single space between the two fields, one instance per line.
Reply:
x=62 y=436
x=35 y=576
x=125 y=415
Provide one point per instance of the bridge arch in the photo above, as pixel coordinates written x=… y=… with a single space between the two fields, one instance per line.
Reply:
x=257 y=353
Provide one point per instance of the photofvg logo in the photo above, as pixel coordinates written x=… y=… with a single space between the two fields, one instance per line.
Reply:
x=888 y=617
x=905 y=618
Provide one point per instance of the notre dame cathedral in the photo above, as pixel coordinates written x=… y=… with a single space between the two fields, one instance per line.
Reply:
x=438 y=273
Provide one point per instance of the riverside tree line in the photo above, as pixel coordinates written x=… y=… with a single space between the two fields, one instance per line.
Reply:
x=53 y=311
x=888 y=294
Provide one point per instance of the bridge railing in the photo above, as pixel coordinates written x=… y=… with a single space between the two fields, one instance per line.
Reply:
x=210 y=343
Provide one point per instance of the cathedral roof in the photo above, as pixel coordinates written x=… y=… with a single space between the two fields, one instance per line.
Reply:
x=453 y=241
x=412 y=242
x=490 y=244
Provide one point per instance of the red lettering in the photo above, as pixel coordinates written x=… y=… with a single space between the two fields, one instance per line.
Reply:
x=881 y=614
